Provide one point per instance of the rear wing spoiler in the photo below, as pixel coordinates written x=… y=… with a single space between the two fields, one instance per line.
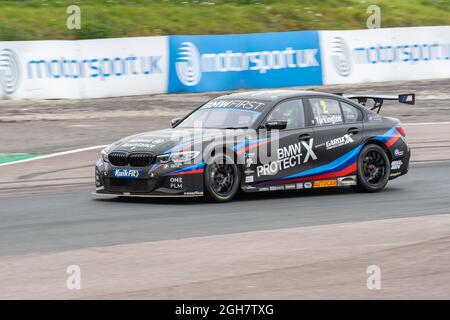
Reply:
x=378 y=100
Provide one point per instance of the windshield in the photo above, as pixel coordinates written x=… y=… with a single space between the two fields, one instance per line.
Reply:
x=225 y=114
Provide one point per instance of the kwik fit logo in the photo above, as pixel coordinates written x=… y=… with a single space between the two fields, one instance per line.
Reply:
x=9 y=71
x=127 y=173
x=191 y=64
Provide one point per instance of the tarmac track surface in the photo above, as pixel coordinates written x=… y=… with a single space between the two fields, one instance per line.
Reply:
x=77 y=219
x=275 y=245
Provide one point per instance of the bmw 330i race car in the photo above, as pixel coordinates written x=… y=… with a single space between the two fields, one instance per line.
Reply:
x=261 y=141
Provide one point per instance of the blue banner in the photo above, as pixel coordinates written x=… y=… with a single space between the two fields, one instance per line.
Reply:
x=227 y=62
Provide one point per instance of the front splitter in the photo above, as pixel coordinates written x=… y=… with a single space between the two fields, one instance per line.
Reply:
x=113 y=195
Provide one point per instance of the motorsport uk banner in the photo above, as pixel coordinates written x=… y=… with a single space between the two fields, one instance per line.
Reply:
x=227 y=62
x=150 y=65
x=84 y=68
x=358 y=56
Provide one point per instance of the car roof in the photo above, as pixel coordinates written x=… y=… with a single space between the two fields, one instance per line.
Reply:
x=273 y=95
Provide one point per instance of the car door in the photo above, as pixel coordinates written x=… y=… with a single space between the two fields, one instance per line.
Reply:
x=291 y=148
x=338 y=130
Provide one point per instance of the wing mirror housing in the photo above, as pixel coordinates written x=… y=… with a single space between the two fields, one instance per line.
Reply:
x=276 y=124
x=174 y=122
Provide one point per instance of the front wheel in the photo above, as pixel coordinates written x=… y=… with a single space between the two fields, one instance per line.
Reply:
x=373 y=169
x=222 y=179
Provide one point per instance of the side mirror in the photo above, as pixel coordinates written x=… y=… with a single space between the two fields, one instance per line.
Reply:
x=276 y=124
x=174 y=122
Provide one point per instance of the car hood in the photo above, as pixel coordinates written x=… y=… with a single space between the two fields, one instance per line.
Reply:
x=169 y=140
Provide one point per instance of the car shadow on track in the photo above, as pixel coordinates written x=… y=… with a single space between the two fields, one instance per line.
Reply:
x=240 y=197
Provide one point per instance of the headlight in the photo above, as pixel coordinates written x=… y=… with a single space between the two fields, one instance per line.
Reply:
x=183 y=156
x=164 y=158
x=104 y=156
x=178 y=157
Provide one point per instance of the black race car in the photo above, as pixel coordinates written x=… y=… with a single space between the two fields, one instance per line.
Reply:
x=261 y=141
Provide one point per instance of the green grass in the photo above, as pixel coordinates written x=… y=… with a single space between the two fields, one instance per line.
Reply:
x=40 y=19
x=5 y=158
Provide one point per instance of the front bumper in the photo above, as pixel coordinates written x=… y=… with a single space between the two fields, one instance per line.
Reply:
x=156 y=180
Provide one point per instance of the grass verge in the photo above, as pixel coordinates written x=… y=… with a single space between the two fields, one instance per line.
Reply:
x=6 y=158
x=41 y=19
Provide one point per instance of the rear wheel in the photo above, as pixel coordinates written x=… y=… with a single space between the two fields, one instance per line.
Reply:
x=222 y=179
x=373 y=169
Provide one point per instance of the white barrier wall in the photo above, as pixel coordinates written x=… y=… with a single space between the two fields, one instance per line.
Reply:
x=83 y=69
x=137 y=66
x=358 y=56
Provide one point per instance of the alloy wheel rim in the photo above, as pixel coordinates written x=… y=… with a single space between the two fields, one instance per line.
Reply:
x=222 y=179
x=374 y=167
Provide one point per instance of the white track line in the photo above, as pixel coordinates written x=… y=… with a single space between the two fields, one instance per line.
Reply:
x=53 y=155
x=104 y=146
x=423 y=123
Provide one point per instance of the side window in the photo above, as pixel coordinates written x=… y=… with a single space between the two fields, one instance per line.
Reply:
x=291 y=111
x=351 y=113
x=326 y=111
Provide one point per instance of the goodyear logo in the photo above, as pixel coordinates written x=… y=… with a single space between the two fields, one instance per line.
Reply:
x=127 y=173
x=325 y=183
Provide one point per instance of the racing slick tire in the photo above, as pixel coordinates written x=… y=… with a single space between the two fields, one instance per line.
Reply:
x=374 y=169
x=222 y=179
